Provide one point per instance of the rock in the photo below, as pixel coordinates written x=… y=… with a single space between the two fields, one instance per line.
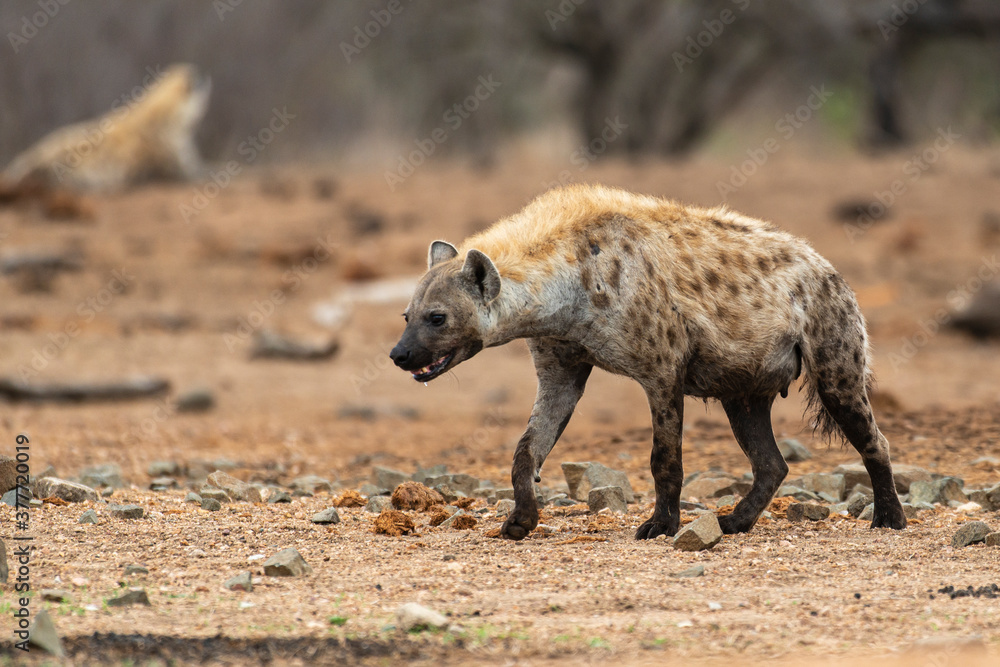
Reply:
x=993 y=540
x=387 y=478
x=162 y=483
x=709 y=487
x=376 y=504
x=910 y=511
x=993 y=495
x=136 y=569
x=133 y=596
x=415 y=496
x=980 y=316
x=214 y=494
x=903 y=475
x=966 y=508
x=793 y=451
x=55 y=595
x=241 y=582
x=867 y=513
x=702 y=533
x=8 y=474
x=810 y=511
x=71 y=492
x=939 y=491
x=90 y=516
x=196 y=400
x=235 y=488
x=42 y=634
x=858 y=505
x=192 y=497
x=449 y=494
x=272 y=345
x=211 y=504
x=164 y=469
x=10 y=498
x=423 y=473
x=823 y=483
x=368 y=490
x=311 y=485
x=126 y=511
x=796 y=492
x=279 y=496
x=582 y=477
x=970 y=533
x=414 y=617
x=106 y=474
x=982 y=498
x=504 y=507
x=4 y=571
x=505 y=494
x=611 y=497
x=726 y=501
x=326 y=517
x=286 y=563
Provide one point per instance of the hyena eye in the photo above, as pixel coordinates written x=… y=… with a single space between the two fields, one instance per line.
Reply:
x=437 y=319
x=406 y=317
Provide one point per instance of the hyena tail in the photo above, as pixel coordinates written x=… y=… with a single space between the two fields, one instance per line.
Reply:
x=837 y=363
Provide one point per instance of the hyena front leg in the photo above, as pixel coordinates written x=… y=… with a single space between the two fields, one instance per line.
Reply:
x=750 y=418
x=562 y=377
x=666 y=403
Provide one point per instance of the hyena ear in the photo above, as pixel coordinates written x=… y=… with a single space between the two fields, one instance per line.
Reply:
x=482 y=273
x=440 y=251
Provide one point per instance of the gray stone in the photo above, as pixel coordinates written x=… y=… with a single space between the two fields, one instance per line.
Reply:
x=105 y=474
x=164 y=469
x=133 y=596
x=90 y=516
x=993 y=494
x=214 y=494
x=196 y=400
x=838 y=508
x=126 y=511
x=211 y=504
x=810 y=511
x=701 y=534
x=279 y=496
x=938 y=491
x=582 y=477
x=8 y=474
x=326 y=517
x=726 y=501
x=611 y=497
x=970 y=533
x=414 y=617
x=241 y=582
x=4 y=571
x=860 y=488
x=311 y=485
x=192 y=497
x=10 y=498
x=696 y=571
x=376 y=504
x=368 y=490
x=462 y=483
x=235 y=488
x=709 y=487
x=824 y=483
x=136 y=569
x=796 y=492
x=71 y=492
x=868 y=513
x=910 y=511
x=163 y=483
x=982 y=498
x=387 y=478
x=504 y=507
x=505 y=494
x=423 y=474
x=448 y=493
x=903 y=475
x=286 y=563
x=857 y=506
x=793 y=451
x=42 y=634
x=993 y=540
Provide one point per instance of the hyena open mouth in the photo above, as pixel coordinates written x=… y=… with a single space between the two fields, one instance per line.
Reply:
x=433 y=369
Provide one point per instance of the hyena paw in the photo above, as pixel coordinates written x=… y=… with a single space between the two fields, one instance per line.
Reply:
x=891 y=518
x=654 y=528
x=732 y=524
x=519 y=524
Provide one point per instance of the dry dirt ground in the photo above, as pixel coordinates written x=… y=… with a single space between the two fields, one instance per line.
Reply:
x=255 y=256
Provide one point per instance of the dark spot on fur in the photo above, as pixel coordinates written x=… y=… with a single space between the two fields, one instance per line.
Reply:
x=734 y=288
x=585 y=278
x=763 y=263
x=627 y=248
x=661 y=419
x=712 y=278
x=614 y=279
x=729 y=226
x=600 y=300
x=757 y=303
x=595 y=249
x=648 y=265
x=671 y=337
x=740 y=260
x=857 y=357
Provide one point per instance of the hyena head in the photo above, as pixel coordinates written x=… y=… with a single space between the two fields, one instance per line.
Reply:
x=445 y=318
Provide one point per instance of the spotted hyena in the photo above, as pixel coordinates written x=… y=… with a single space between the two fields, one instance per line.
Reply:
x=684 y=300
